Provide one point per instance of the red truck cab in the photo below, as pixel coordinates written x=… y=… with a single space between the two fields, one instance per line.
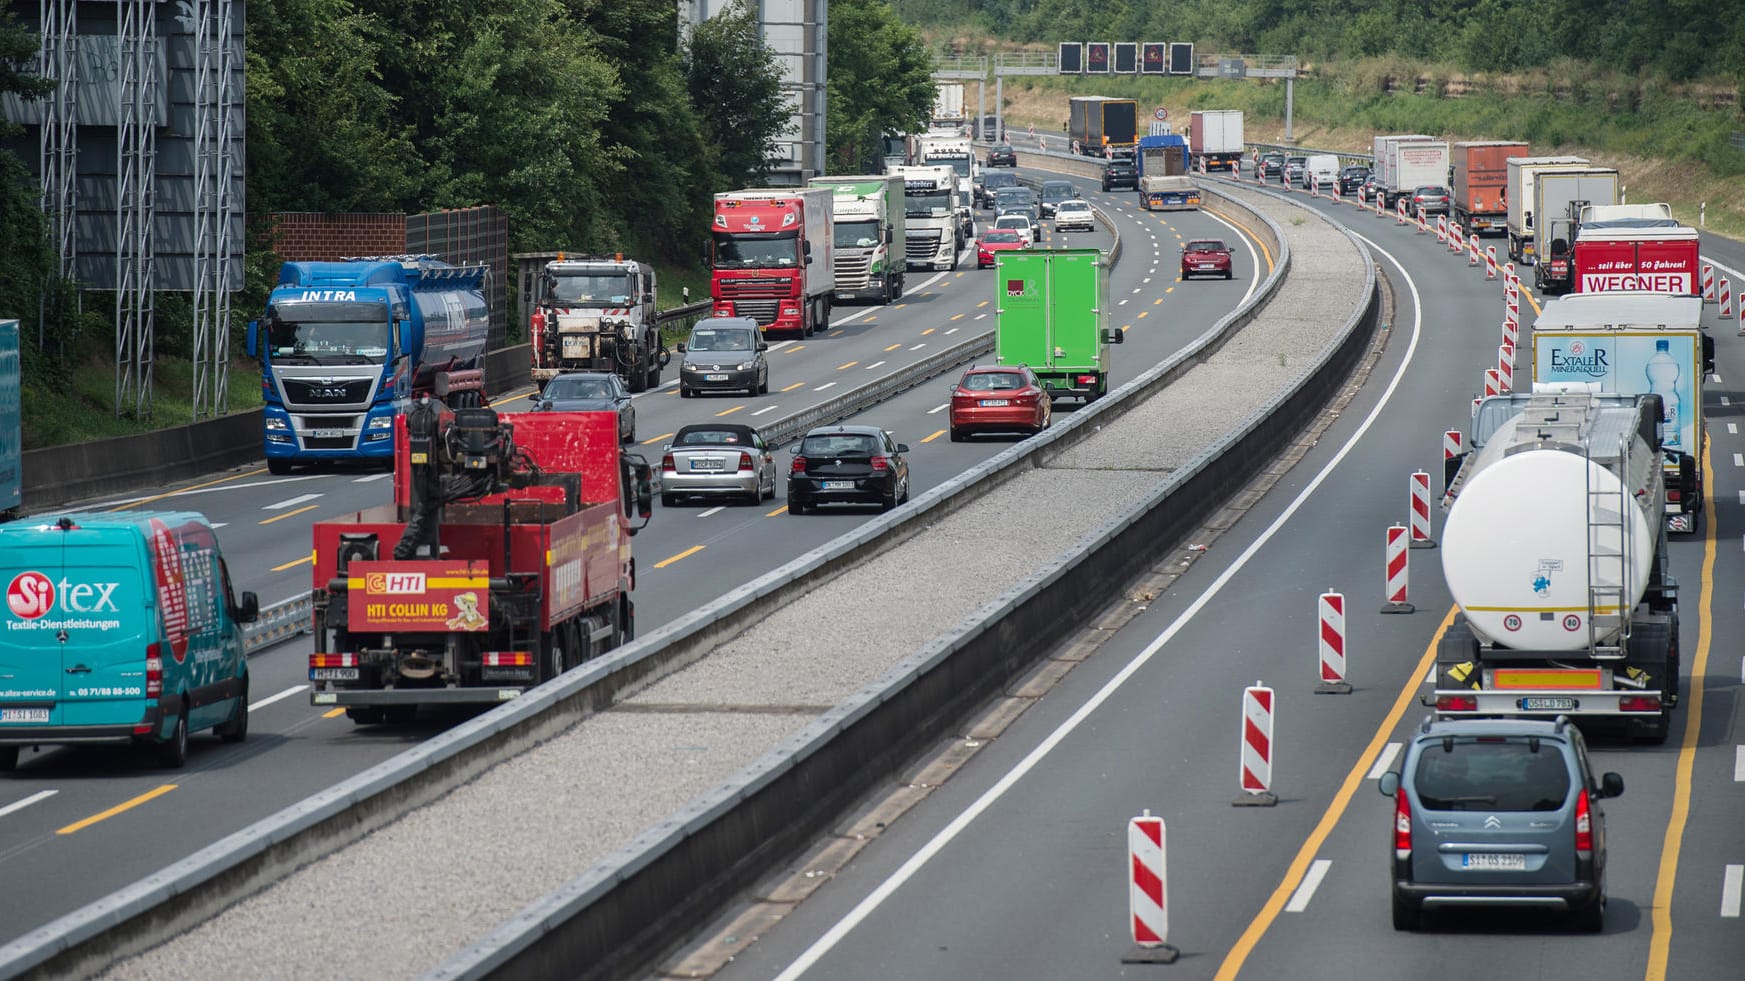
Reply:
x=770 y=258
x=1657 y=260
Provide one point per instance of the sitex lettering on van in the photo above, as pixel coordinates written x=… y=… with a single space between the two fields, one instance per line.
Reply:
x=119 y=629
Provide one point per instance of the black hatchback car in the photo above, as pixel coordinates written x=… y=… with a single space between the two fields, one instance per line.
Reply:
x=848 y=465
x=1120 y=172
x=1002 y=155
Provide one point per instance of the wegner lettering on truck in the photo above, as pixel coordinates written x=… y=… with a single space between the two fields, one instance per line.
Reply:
x=1603 y=282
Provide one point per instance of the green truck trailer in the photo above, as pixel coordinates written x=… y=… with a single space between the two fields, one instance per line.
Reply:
x=1052 y=315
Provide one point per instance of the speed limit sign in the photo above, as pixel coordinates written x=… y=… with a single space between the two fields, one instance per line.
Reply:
x=1161 y=114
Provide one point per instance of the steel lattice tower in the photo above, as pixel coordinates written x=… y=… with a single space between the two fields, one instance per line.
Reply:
x=213 y=175
x=136 y=151
x=59 y=139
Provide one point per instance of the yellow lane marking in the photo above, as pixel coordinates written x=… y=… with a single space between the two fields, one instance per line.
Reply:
x=960 y=275
x=1251 y=236
x=693 y=550
x=842 y=367
x=294 y=564
x=1660 y=935
x=728 y=412
x=1157 y=301
x=792 y=348
x=184 y=490
x=511 y=396
x=1143 y=314
x=981 y=304
x=932 y=329
x=651 y=442
x=1126 y=327
x=1312 y=846
x=902 y=305
x=781 y=510
x=940 y=433
x=287 y=514
x=958 y=317
x=125 y=806
x=893 y=347
x=794 y=386
x=836 y=333
x=1170 y=289
x=333 y=713
x=871 y=318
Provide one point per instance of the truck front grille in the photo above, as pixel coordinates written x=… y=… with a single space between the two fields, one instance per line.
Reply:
x=731 y=289
x=762 y=311
x=853 y=271
x=301 y=391
x=922 y=244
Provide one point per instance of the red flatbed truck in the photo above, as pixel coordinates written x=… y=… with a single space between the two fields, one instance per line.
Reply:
x=503 y=561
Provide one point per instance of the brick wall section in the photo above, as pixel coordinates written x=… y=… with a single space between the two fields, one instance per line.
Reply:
x=312 y=237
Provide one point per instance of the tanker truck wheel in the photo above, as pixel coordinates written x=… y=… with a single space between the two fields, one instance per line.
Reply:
x=1651 y=650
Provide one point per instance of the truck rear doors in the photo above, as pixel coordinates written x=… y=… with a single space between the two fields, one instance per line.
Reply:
x=1051 y=309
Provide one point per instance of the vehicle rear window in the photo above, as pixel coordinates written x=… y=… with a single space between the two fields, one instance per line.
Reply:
x=1206 y=245
x=1469 y=775
x=1012 y=221
x=839 y=444
x=709 y=437
x=578 y=388
x=1001 y=236
x=993 y=381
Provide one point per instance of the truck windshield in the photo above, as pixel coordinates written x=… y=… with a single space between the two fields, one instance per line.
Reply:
x=735 y=251
x=857 y=234
x=958 y=162
x=327 y=332
x=926 y=204
x=590 y=289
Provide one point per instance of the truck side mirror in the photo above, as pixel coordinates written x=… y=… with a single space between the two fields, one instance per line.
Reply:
x=1114 y=335
x=648 y=297
x=1708 y=354
x=253 y=346
x=1687 y=479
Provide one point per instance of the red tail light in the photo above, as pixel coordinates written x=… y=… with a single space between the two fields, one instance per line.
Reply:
x=154 y=670
x=1087 y=379
x=507 y=659
x=1402 y=824
x=799 y=465
x=667 y=465
x=1673 y=495
x=744 y=461
x=1457 y=703
x=1584 y=824
x=1639 y=703
x=333 y=660
x=880 y=464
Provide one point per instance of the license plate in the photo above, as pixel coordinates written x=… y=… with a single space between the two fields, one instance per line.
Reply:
x=714 y=378
x=1489 y=860
x=705 y=464
x=578 y=347
x=327 y=434
x=24 y=715
x=333 y=674
x=1548 y=704
x=996 y=402
x=1208 y=265
x=839 y=485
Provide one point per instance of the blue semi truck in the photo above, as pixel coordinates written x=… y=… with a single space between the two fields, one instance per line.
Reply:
x=346 y=346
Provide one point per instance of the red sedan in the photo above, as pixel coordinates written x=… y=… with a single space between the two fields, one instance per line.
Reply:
x=999 y=399
x=997 y=240
x=1205 y=257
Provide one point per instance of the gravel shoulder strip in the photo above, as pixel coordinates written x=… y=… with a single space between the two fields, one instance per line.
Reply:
x=454 y=870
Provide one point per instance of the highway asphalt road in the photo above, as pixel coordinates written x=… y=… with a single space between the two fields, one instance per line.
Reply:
x=81 y=823
x=1017 y=866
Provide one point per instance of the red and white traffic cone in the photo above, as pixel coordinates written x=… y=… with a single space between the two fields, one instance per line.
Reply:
x=1441 y=230
x=1397 y=571
x=1490 y=262
x=1708 y=283
x=1256 y=772
x=1148 y=892
x=1420 y=522
x=1331 y=609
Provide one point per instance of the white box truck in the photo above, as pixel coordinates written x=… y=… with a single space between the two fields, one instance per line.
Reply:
x=871 y=240
x=1523 y=172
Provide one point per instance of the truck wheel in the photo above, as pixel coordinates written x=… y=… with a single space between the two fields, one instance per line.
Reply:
x=236 y=729
x=278 y=468
x=173 y=754
x=8 y=759
x=636 y=381
x=365 y=715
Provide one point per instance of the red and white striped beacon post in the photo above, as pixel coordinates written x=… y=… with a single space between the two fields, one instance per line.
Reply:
x=1726 y=299
x=1456 y=241
x=1398 y=571
x=1400 y=212
x=1511 y=282
x=1256 y=769
x=1451 y=448
x=1708 y=283
x=1420 y=522
x=1511 y=333
x=1337 y=197
x=1506 y=367
x=1331 y=648
x=1380 y=206
x=1492 y=384
x=1490 y=262
x=1441 y=229
x=1423 y=222
x=1472 y=254
x=1148 y=892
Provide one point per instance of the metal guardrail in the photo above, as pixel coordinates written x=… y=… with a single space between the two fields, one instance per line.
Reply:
x=1345 y=156
x=278 y=623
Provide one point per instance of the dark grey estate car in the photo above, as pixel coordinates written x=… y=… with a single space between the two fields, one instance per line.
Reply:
x=1499 y=813
x=589 y=391
x=724 y=354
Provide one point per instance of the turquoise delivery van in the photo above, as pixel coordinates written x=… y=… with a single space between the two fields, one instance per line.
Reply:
x=119 y=628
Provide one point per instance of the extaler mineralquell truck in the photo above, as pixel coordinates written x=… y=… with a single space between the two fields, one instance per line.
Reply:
x=1555 y=550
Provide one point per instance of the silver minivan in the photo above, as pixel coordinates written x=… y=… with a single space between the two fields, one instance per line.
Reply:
x=1499 y=813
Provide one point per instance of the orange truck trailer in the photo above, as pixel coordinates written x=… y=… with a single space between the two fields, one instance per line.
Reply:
x=1481 y=181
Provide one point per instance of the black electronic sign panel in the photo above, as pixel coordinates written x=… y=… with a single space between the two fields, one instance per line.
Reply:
x=1071 y=57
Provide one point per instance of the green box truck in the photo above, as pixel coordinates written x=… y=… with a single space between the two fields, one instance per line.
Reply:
x=1052 y=315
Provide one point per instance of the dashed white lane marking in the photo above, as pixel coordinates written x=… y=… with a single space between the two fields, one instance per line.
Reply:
x=717 y=509
x=822 y=387
x=371 y=478
x=270 y=699
x=1730 y=883
x=301 y=498
x=956 y=329
x=219 y=524
x=939 y=408
x=1739 y=764
x=1732 y=429
x=19 y=805
x=1742 y=497
x=875 y=364
x=1384 y=760
x=767 y=408
x=1739 y=459
x=1726 y=401
x=917 y=347
x=1311 y=881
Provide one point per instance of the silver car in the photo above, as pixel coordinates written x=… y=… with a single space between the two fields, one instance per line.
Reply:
x=717 y=459
x=724 y=354
x=1499 y=813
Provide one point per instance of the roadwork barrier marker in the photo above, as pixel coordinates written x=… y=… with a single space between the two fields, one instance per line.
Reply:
x=1441 y=229
x=1331 y=609
x=1726 y=298
x=1511 y=333
x=1708 y=283
x=1493 y=385
x=1472 y=249
x=1148 y=892
x=1421 y=504
x=1456 y=243
x=1451 y=441
x=1337 y=197
x=1423 y=222
x=1380 y=207
x=1400 y=212
x=1512 y=313
x=1256 y=748
x=1511 y=282
x=1506 y=367
x=1398 y=572
x=1490 y=262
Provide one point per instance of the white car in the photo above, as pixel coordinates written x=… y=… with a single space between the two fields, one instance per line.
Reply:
x=1017 y=223
x=1074 y=214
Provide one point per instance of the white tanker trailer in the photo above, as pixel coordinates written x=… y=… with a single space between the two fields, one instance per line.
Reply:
x=1555 y=550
